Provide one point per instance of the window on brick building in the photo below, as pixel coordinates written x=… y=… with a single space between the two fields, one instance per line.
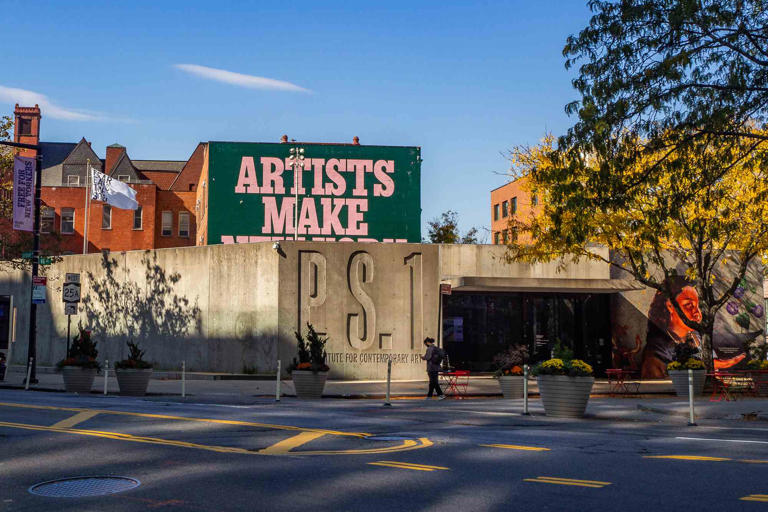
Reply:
x=137 y=218
x=47 y=217
x=106 y=217
x=496 y=212
x=25 y=126
x=504 y=236
x=67 y=221
x=496 y=238
x=504 y=209
x=534 y=200
x=513 y=205
x=167 y=224
x=184 y=224
x=73 y=181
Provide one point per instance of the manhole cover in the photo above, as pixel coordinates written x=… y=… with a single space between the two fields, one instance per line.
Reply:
x=388 y=438
x=82 y=486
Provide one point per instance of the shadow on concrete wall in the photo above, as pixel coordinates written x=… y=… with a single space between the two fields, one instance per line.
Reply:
x=118 y=306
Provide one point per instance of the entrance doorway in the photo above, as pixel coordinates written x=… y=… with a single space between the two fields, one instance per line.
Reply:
x=477 y=326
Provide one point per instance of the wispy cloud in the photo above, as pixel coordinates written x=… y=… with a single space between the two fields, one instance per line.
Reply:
x=239 y=79
x=28 y=98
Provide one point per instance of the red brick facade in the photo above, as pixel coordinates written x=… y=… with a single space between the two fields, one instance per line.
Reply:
x=124 y=230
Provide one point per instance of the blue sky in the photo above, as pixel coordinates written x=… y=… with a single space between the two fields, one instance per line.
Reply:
x=463 y=80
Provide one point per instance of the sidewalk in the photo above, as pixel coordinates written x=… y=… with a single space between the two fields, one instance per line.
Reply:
x=237 y=385
x=656 y=402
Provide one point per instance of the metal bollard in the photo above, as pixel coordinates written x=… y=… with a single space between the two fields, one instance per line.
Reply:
x=388 y=403
x=29 y=373
x=106 y=375
x=525 y=391
x=692 y=418
x=183 y=379
x=277 y=383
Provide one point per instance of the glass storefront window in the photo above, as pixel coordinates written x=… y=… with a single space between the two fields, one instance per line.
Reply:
x=490 y=323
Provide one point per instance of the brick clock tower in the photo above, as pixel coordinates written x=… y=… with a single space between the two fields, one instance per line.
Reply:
x=27 y=127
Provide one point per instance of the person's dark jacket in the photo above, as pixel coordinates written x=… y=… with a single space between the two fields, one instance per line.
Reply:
x=429 y=357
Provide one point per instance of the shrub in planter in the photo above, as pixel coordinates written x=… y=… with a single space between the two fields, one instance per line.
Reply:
x=309 y=371
x=678 y=372
x=564 y=386
x=80 y=366
x=509 y=370
x=134 y=372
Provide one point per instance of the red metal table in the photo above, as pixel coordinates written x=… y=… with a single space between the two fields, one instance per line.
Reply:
x=455 y=382
x=725 y=384
x=618 y=383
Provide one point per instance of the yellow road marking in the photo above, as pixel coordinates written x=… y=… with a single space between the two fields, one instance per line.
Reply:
x=567 y=481
x=185 y=418
x=755 y=497
x=406 y=446
x=686 y=457
x=407 y=465
x=517 y=447
x=74 y=420
x=289 y=444
x=754 y=461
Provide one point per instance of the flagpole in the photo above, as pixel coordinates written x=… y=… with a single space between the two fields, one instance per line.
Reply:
x=87 y=206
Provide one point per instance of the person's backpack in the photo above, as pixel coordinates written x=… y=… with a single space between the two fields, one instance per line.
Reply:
x=437 y=356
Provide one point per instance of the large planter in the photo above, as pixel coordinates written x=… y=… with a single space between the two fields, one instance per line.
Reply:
x=309 y=384
x=564 y=396
x=680 y=382
x=78 y=379
x=511 y=386
x=133 y=382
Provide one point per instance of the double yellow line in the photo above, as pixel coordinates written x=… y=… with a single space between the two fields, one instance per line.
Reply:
x=407 y=465
x=567 y=481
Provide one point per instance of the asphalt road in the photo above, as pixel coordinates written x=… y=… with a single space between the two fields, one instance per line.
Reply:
x=357 y=455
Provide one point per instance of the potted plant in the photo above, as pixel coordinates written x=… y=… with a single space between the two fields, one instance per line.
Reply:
x=510 y=371
x=564 y=384
x=309 y=371
x=134 y=372
x=80 y=366
x=686 y=358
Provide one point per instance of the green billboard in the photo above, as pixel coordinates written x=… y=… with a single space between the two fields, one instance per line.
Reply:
x=341 y=192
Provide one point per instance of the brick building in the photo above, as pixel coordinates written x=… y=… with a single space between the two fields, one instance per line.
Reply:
x=510 y=201
x=165 y=190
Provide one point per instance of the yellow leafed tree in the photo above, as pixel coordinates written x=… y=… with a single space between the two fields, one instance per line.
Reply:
x=700 y=207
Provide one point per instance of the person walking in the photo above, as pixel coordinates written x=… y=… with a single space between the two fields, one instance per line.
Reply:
x=433 y=357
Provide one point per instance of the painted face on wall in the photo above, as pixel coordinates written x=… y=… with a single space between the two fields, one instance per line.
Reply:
x=688 y=300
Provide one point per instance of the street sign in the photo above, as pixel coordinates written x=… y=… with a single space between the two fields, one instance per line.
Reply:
x=71 y=278
x=70 y=309
x=26 y=255
x=45 y=260
x=71 y=293
x=445 y=288
x=38 y=289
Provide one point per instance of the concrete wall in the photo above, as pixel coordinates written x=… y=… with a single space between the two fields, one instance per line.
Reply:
x=231 y=308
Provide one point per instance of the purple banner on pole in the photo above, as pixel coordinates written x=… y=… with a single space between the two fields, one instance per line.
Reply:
x=23 y=193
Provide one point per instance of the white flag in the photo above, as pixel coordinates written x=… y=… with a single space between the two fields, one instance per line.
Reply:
x=111 y=191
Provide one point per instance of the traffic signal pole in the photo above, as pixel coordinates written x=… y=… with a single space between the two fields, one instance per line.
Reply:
x=32 y=343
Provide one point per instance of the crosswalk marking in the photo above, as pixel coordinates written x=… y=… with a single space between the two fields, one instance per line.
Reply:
x=517 y=447
x=567 y=481
x=286 y=445
x=755 y=497
x=407 y=465
x=76 y=419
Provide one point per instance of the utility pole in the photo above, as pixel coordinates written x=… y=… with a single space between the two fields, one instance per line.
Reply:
x=32 y=343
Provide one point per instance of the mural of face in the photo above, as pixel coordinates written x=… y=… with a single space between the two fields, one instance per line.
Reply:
x=688 y=300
